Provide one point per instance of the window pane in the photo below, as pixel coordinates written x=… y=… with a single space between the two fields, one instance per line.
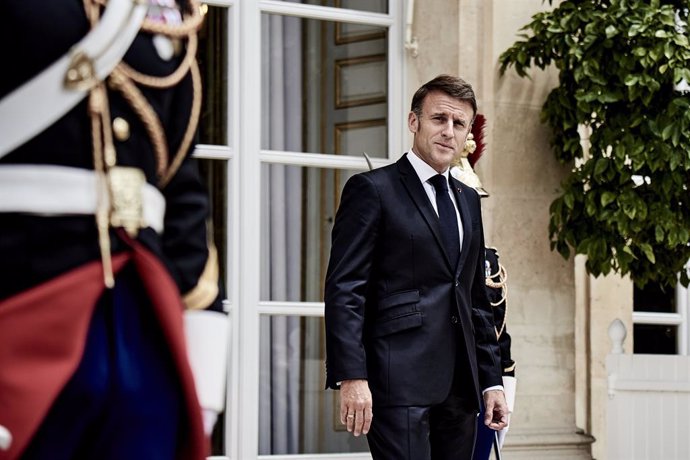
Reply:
x=296 y=414
x=215 y=175
x=373 y=6
x=212 y=56
x=297 y=211
x=655 y=298
x=324 y=87
x=655 y=339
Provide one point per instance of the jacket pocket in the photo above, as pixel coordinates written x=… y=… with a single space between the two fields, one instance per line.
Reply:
x=398 y=312
x=399 y=298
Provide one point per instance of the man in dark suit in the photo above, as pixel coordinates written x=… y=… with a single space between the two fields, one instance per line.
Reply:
x=406 y=341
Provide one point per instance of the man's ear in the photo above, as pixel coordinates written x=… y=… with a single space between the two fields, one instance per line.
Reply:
x=412 y=122
x=469 y=131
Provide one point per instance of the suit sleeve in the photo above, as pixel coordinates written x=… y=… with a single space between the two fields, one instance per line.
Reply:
x=487 y=349
x=353 y=248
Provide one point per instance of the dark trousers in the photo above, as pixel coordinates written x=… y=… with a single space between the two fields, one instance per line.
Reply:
x=442 y=432
x=123 y=401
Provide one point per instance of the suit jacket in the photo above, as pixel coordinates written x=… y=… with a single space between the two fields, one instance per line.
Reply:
x=397 y=313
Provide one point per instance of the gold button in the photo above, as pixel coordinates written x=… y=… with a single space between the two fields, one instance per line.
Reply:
x=121 y=129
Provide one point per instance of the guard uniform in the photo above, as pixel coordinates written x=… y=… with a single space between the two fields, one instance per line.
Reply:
x=496 y=290
x=94 y=362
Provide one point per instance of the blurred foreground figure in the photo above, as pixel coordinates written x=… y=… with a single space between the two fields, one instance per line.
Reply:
x=104 y=235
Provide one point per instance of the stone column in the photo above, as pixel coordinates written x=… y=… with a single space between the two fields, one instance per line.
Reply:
x=523 y=178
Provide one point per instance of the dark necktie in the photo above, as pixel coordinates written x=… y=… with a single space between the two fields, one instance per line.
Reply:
x=447 y=218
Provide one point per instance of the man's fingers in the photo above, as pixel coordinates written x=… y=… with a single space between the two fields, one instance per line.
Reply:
x=368 y=417
x=497 y=424
x=358 y=422
x=343 y=414
x=488 y=412
x=495 y=419
x=350 y=421
x=496 y=413
x=361 y=422
x=355 y=406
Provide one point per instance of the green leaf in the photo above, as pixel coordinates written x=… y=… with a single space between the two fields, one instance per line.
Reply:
x=522 y=57
x=606 y=198
x=648 y=252
x=659 y=233
x=569 y=200
x=600 y=167
x=611 y=31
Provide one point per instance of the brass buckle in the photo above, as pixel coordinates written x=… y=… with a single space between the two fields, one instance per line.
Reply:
x=126 y=186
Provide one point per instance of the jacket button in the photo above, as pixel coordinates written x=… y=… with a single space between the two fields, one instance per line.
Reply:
x=454 y=319
x=457 y=283
x=121 y=129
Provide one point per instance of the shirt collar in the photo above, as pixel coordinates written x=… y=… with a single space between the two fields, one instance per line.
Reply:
x=423 y=170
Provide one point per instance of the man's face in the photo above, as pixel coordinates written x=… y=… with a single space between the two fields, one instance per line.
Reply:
x=441 y=130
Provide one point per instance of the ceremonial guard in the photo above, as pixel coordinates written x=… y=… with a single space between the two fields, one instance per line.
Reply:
x=104 y=235
x=497 y=291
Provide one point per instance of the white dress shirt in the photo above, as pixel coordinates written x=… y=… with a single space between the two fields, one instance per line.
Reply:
x=426 y=172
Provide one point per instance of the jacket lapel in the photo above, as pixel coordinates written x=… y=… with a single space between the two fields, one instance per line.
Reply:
x=414 y=187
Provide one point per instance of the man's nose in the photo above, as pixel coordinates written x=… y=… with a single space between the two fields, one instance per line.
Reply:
x=448 y=129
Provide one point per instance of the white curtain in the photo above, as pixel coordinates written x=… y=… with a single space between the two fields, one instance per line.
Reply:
x=281 y=232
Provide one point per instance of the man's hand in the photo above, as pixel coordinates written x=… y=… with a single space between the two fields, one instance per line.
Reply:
x=496 y=410
x=355 y=406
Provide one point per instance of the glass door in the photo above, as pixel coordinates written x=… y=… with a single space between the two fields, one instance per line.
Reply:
x=296 y=93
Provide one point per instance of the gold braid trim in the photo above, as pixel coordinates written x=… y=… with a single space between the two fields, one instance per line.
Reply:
x=502 y=277
x=123 y=76
x=192 y=21
x=191 y=127
x=170 y=80
x=502 y=284
x=97 y=111
x=92 y=13
x=505 y=314
x=119 y=81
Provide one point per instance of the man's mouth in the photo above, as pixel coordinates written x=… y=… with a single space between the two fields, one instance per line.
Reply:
x=445 y=146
